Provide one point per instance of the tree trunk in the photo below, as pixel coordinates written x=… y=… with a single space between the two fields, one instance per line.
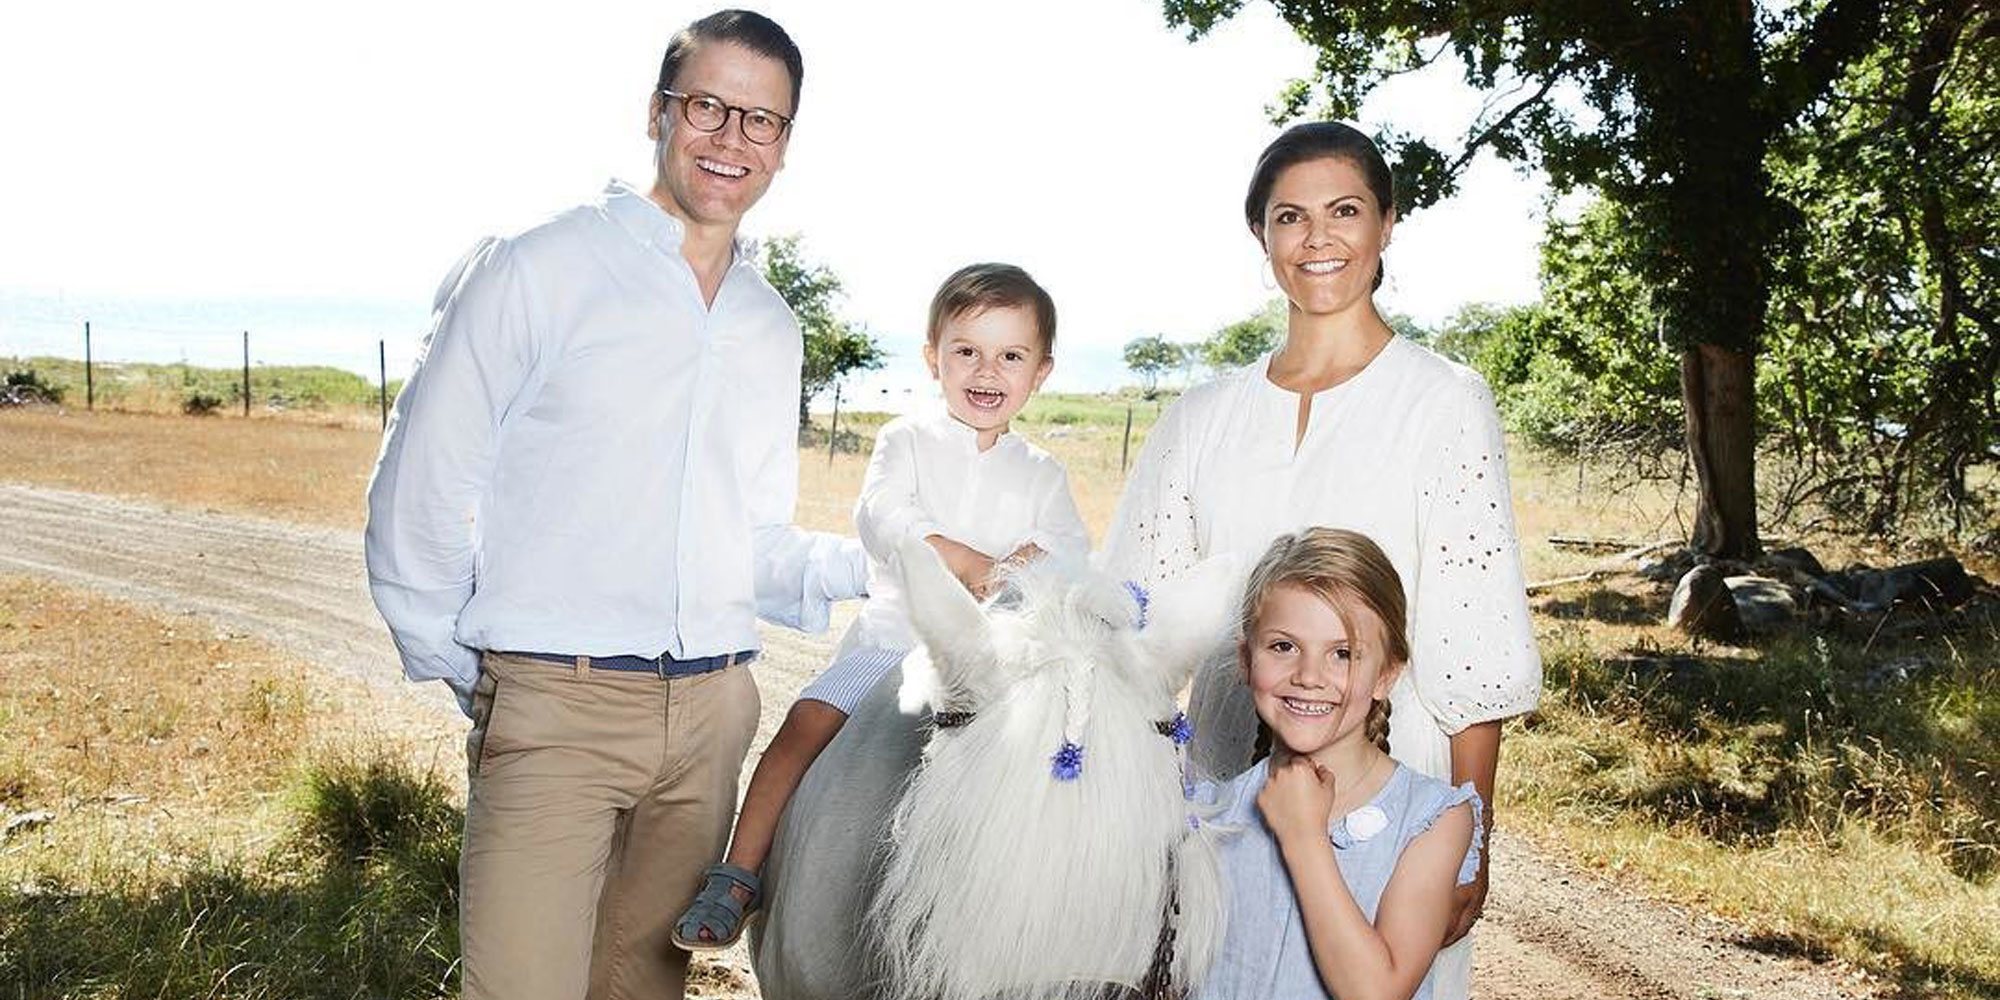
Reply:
x=1718 y=389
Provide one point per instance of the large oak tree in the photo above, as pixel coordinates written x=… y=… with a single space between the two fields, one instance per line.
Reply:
x=1666 y=108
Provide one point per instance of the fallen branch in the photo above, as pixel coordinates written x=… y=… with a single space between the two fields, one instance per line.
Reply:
x=1566 y=580
x=1645 y=550
x=1593 y=544
x=1604 y=567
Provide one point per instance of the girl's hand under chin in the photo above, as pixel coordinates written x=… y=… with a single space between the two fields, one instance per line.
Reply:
x=1297 y=801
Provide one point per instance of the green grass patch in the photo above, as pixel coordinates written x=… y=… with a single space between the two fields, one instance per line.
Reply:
x=1106 y=411
x=1808 y=788
x=359 y=901
x=173 y=387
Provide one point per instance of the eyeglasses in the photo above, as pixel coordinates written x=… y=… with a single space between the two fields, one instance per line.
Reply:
x=708 y=113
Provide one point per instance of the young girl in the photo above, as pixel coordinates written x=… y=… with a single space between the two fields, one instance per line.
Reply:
x=1341 y=881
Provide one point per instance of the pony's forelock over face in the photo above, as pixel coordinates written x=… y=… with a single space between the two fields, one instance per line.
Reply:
x=1031 y=851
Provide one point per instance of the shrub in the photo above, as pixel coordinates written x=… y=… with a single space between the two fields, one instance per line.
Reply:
x=200 y=404
x=354 y=812
x=28 y=386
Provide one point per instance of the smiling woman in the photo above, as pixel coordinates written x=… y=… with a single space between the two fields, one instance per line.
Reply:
x=1348 y=425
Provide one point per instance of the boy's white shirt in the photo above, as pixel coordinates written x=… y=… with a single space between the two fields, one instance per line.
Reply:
x=927 y=476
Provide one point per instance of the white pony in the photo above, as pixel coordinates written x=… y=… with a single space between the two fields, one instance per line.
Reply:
x=1005 y=816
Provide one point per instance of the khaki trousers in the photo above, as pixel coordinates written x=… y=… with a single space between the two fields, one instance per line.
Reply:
x=597 y=797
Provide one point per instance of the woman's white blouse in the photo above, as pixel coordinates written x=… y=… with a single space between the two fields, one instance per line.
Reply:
x=1408 y=452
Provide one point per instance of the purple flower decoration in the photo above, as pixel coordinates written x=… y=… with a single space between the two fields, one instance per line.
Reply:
x=1068 y=762
x=1183 y=730
x=1139 y=597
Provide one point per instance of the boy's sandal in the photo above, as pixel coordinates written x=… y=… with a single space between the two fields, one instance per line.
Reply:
x=717 y=910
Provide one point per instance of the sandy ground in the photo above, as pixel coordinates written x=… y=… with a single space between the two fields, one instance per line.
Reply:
x=1551 y=932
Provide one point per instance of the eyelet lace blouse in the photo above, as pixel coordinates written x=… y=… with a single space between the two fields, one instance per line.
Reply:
x=1408 y=452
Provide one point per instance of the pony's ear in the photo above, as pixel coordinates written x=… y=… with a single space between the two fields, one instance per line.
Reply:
x=946 y=618
x=1190 y=618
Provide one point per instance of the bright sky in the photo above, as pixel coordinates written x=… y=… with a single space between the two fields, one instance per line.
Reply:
x=217 y=150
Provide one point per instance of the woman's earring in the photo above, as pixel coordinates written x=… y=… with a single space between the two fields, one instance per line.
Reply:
x=1268 y=276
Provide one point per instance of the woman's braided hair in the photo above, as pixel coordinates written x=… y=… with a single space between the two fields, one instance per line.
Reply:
x=1341 y=567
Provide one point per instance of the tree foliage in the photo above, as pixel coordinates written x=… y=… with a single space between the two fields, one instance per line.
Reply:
x=1667 y=109
x=1565 y=382
x=1247 y=339
x=834 y=347
x=1151 y=356
x=1879 y=350
x=1406 y=326
x=1882 y=375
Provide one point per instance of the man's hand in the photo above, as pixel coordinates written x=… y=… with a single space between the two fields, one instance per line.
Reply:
x=971 y=566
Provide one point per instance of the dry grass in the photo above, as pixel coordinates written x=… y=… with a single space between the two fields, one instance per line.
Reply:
x=158 y=737
x=1821 y=876
x=1778 y=783
x=316 y=472
x=178 y=774
x=1878 y=904
x=291 y=469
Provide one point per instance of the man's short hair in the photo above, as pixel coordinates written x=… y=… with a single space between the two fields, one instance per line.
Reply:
x=976 y=288
x=747 y=28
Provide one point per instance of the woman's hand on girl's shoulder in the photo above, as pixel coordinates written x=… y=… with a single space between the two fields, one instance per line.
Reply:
x=1297 y=800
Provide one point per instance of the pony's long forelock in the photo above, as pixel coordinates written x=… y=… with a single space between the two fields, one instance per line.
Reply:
x=1003 y=881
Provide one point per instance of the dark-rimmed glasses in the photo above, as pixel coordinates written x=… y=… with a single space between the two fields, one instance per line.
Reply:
x=709 y=113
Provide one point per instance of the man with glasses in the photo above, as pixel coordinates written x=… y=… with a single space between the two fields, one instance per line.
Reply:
x=583 y=503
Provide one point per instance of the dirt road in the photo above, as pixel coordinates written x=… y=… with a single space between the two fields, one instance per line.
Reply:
x=1551 y=932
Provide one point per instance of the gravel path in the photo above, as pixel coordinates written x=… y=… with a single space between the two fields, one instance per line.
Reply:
x=1551 y=932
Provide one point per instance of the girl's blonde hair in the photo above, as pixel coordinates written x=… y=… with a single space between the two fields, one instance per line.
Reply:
x=1339 y=566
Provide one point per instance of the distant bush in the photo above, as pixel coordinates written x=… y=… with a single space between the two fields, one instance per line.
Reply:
x=197 y=403
x=28 y=386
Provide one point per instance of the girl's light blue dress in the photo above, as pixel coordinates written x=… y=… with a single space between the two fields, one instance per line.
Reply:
x=1264 y=952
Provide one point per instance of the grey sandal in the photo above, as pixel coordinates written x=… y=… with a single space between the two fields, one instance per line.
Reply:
x=716 y=909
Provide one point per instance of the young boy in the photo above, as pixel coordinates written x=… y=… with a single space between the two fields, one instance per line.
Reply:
x=956 y=479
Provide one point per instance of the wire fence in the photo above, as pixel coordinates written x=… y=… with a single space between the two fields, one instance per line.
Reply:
x=170 y=364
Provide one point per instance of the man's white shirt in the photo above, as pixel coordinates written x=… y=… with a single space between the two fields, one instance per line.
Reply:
x=589 y=459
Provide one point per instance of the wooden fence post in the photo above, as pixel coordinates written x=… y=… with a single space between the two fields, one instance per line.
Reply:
x=833 y=429
x=1125 y=450
x=89 y=377
x=382 y=356
x=246 y=373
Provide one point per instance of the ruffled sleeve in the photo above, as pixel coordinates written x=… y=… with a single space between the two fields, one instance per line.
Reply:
x=1473 y=646
x=1449 y=797
x=1152 y=536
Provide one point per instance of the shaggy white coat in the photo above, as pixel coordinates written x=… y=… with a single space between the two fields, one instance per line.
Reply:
x=1002 y=881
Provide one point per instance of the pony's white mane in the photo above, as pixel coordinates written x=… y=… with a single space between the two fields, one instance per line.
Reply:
x=1002 y=880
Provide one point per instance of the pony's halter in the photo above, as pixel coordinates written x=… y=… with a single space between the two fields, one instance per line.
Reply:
x=1067 y=762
